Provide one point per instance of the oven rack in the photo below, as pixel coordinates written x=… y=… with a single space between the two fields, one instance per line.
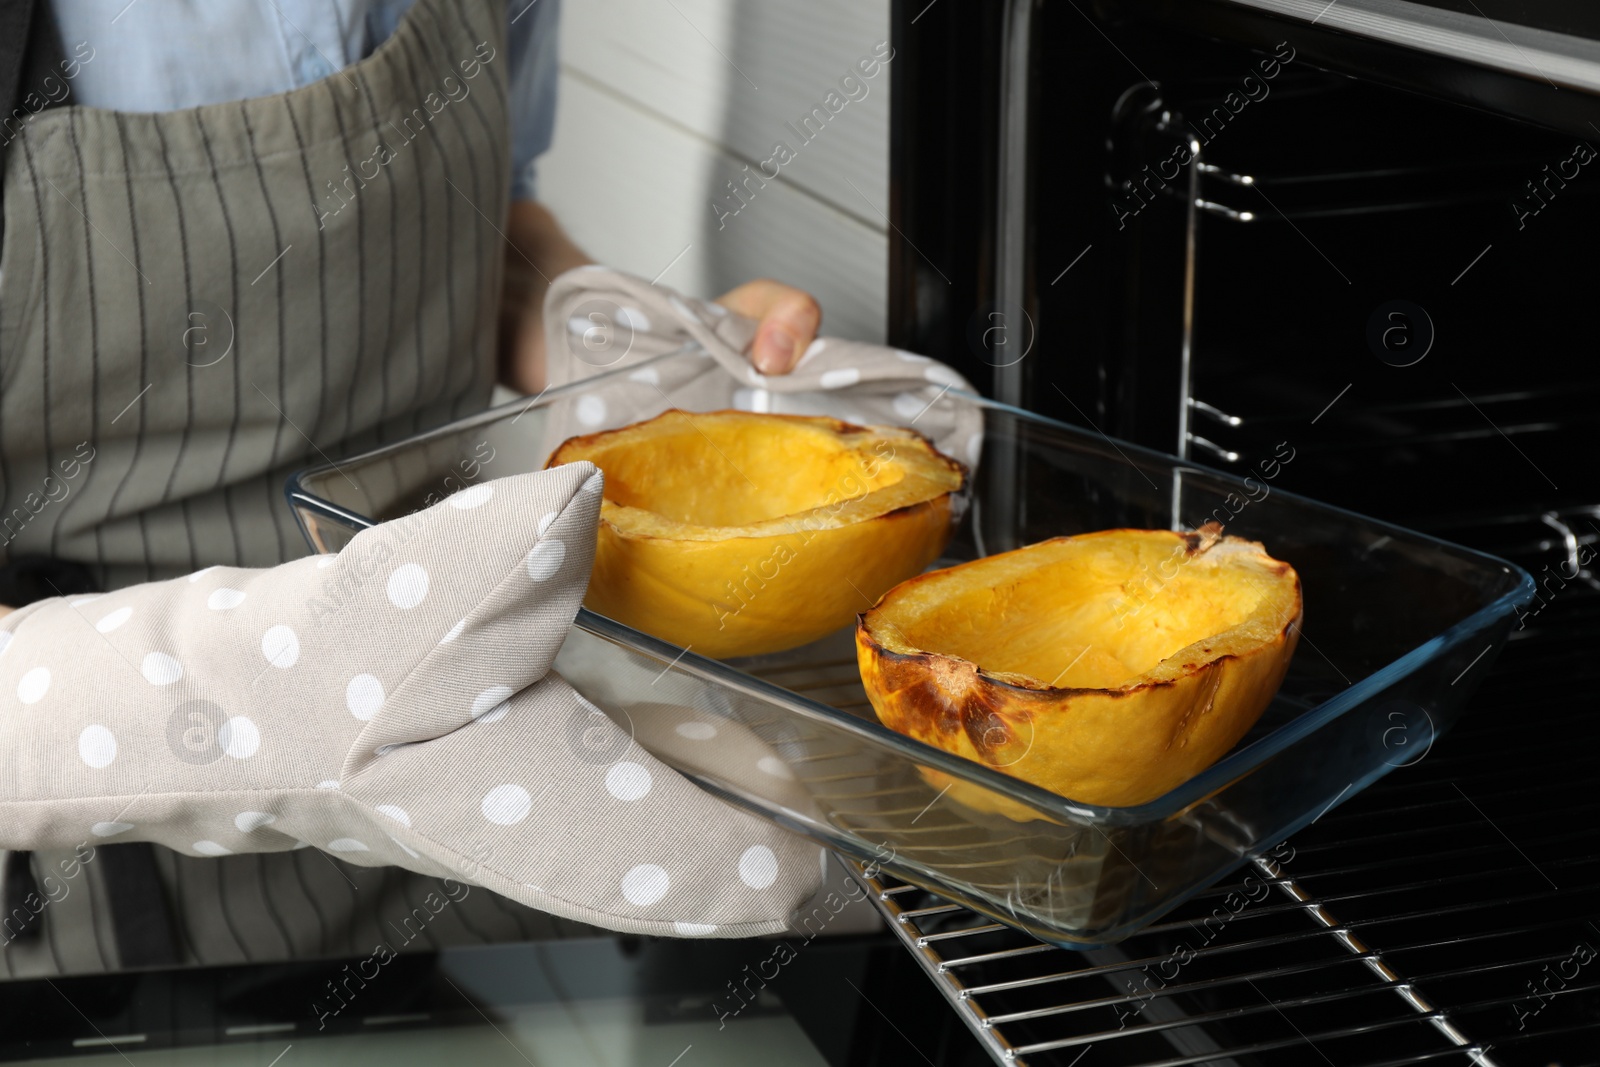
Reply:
x=1413 y=924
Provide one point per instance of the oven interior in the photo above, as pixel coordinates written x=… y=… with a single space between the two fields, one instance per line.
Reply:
x=1380 y=263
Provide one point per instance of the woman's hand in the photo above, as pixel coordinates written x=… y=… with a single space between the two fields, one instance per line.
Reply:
x=789 y=320
x=540 y=250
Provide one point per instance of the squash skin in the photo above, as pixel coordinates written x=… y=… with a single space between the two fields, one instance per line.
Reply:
x=748 y=595
x=1112 y=747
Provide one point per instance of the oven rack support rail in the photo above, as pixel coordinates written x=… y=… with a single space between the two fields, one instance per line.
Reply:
x=930 y=928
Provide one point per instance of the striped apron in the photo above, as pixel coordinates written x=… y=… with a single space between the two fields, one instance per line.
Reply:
x=192 y=305
x=196 y=302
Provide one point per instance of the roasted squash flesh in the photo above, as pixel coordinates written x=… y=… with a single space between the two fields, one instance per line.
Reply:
x=734 y=533
x=720 y=473
x=1108 y=667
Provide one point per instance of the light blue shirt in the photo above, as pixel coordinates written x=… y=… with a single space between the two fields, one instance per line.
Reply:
x=163 y=55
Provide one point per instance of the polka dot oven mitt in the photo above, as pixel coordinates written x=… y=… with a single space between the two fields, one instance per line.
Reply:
x=598 y=319
x=736 y=743
x=393 y=704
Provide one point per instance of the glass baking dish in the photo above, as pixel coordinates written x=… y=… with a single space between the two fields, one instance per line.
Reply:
x=1399 y=627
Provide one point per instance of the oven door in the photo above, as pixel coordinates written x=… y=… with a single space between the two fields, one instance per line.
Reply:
x=835 y=1001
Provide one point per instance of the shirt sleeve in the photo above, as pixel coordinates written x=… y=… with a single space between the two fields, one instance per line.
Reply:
x=533 y=56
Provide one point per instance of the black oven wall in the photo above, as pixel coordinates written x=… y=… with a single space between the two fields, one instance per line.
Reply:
x=1390 y=283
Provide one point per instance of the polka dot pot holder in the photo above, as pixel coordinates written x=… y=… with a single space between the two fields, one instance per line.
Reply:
x=598 y=319
x=393 y=704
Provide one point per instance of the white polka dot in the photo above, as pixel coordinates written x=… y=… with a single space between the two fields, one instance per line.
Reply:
x=159 y=668
x=627 y=781
x=755 y=376
x=281 y=647
x=110 y=829
x=398 y=814
x=347 y=844
x=211 y=848
x=775 y=767
x=199 y=574
x=543 y=525
x=812 y=349
x=593 y=484
x=974 y=448
x=408 y=585
x=363 y=696
x=647 y=375
x=81 y=601
x=758 y=867
x=645 y=884
x=634 y=319
x=97 y=746
x=507 y=804
x=239 y=738
x=694 y=929
x=474 y=497
x=328 y=784
x=697 y=731
x=578 y=324
x=939 y=374
x=224 y=599
x=718 y=310
x=34 y=685
x=910 y=357
x=455 y=632
x=908 y=405
x=298 y=845
x=324 y=562
x=251 y=821
x=545 y=559
x=839 y=378
x=5 y=641
x=492 y=704
x=591 y=410
x=681 y=308
x=114 y=620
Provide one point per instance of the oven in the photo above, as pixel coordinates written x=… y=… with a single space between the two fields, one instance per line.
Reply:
x=1363 y=230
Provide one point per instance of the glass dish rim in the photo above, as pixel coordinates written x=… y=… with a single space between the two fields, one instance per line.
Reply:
x=1234 y=765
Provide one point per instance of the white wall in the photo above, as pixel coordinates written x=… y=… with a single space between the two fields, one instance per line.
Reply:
x=663 y=101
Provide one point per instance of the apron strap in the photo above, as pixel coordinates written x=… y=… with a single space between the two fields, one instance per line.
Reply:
x=15 y=18
x=30 y=50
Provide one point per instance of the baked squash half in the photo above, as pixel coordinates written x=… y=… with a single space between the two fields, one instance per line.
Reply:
x=1108 y=667
x=734 y=533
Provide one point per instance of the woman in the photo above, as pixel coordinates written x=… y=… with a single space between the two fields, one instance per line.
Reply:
x=240 y=238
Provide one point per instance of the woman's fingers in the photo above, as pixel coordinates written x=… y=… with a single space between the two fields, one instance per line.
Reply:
x=788 y=317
